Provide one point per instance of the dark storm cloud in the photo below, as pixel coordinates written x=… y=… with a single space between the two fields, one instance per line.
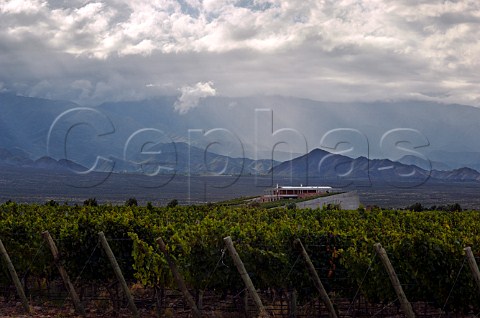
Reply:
x=330 y=50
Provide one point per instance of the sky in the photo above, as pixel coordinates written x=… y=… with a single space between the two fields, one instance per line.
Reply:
x=340 y=50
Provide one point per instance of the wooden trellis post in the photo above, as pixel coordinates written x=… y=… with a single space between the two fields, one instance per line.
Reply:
x=473 y=265
x=63 y=273
x=406 y=306
x=15 y=279
x=179 y=279
x=316 y=279
x=118 y=273
x=292 y=304
x=245 y=277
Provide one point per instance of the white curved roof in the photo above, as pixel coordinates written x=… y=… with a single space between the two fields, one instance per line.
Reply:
x=304 y=187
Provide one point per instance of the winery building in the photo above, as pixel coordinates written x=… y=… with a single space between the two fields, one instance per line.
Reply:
x=294 y=192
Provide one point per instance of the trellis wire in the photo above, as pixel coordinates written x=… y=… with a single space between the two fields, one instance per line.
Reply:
x=363 y=280
x=454 y=283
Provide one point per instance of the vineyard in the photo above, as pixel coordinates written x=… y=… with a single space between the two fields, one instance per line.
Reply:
x=426 y=249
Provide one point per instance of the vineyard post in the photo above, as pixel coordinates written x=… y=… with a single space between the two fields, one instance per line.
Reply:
x=245 y=303
x=14 y=275
x=118 y=273
x=245 y=277
x=406 y=306
x=200 y=300
x=66 y=279
x=316 y=279
x=473 y=265
x=179 y=279
x=292 y=306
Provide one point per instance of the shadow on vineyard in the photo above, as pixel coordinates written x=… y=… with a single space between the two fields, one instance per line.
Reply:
x=426 y=251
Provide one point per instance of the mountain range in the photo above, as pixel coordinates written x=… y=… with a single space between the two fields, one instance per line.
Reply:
x=172 y=158
x=180 y=158
x=143 y=136
x=19 y=158
x=319 y=164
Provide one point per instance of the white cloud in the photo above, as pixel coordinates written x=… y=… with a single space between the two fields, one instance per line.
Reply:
x=191 y=95
x=335 y=50
x=145 y=47
x=21 y=6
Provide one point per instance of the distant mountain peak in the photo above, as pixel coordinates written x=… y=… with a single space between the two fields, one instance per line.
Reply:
x=324 y=165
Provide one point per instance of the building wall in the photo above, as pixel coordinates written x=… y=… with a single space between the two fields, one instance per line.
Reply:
x=275 y=194
x=347 y=201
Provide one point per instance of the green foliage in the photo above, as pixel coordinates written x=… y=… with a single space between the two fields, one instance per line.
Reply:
x=150 y=268
x=131 y=202
x=450 y=208
x=416 y=207
x=331 y=207
x=426 y=249
x=149 y=206
x=90 y=202
x=51 y=203
x=172 y=203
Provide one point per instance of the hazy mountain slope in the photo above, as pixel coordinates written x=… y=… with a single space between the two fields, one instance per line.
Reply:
x=252 y=125
x=319 y=164
x=426 y=165
x=169 y=158
x=25 y=121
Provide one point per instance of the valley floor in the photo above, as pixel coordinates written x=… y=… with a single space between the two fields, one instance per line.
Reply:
x=39 y=186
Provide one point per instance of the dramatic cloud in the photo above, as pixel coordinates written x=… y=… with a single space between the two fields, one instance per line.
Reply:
x=346 y=50
x=191 y=95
